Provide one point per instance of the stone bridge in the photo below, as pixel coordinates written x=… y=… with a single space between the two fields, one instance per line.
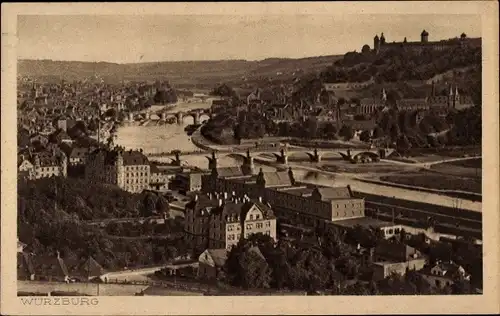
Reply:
x=198 y=115
x=283 y=154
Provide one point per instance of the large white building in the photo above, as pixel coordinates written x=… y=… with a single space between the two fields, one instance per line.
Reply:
x=129 y=170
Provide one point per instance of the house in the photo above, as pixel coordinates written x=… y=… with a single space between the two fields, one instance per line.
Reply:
x=189 y=181
x=443 y=274
x=51 y=268
x=60 y=136
x=160 y=179
x=86 y=270
x=211 y=262
x=394 y=257
x=43 y=164
x=219 y=105
x=78 y=155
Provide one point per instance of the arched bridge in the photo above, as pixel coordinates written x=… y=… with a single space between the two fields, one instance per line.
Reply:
x=198 y=115
x=283 y=154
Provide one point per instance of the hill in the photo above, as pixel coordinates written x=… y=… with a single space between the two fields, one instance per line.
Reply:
x=461 y=65
x=181 y=73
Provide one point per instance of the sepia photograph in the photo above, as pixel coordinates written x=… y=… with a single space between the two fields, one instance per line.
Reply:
x=232 y=155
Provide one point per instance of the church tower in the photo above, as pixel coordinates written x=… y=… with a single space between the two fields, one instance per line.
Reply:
x=424 y=36
x=382 y=39
x=376 y=43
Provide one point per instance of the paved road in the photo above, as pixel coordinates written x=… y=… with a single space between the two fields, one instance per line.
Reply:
x=141 y=273
x=427 y=165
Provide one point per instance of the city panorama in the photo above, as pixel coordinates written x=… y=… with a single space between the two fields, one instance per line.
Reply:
x=293 y=159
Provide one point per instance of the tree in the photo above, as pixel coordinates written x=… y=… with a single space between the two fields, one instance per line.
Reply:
x=149 y=205
x=162 y=205
x=378 y=132
x=347 y=132
x=365 y=136
x=311 y=125
x=329 y=130
x=394 y=131
x=403 y=144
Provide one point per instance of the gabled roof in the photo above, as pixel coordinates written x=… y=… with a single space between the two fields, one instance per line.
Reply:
x=279 y=178
x=329 y=193
x=79 y=152
x=226 y=172
x=90 y=269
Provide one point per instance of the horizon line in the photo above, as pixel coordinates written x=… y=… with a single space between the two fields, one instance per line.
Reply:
x=178 y=61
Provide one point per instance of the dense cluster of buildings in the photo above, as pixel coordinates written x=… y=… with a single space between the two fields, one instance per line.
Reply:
x=49 y=106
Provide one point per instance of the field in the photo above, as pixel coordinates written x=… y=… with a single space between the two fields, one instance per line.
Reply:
x=470 y=163
x=433 y=180
x=465 y=168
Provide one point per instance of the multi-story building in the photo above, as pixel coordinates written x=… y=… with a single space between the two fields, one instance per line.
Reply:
x=129 y=170
x=188 y=181
x=220 y=220
x=43 y=164
x=299 y=202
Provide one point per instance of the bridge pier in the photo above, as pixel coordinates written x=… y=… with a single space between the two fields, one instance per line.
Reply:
x=315 y=156
x=180 y=118
x=196 y=117
x=248 y=166
x=282 y=157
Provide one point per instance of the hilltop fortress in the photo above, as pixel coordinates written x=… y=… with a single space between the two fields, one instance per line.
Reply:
x=380 y=44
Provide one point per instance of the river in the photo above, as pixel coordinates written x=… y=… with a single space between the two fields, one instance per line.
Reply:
x=164 y=138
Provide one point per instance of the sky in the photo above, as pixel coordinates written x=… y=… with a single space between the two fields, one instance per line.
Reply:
x=148 y=38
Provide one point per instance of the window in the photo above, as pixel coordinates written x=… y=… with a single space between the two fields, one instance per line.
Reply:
x=230 y=228
x=268 y=224
x=257 y=216
x=251 y=217
x=249 y=226
x=259 y=225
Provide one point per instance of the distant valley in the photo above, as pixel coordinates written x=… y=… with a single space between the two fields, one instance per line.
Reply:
x=180 y=73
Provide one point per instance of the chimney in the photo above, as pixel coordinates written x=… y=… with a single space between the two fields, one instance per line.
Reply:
x=196 y=197
x=220 y=202
x=225 y=195
x=260 y=199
